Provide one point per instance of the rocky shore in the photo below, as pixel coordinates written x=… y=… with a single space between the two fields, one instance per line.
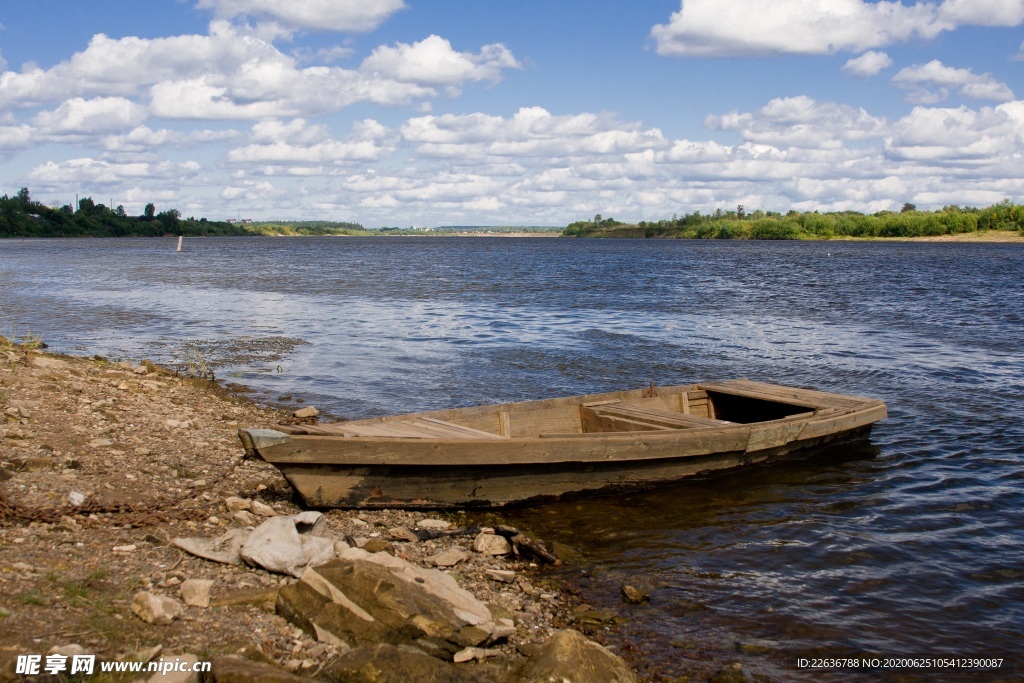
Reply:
x=133 y=528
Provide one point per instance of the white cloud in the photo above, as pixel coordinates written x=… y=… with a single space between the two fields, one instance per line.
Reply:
x=722 y=28
x=296 y=143
x=533 y=166
x=930 y=83
x=983 y=12
x=237 y=74
x=15 y=137
x=432 y=61
x=801 y=122
x=82 y=117
x=127 y=66
x=317 y=15
x=74 y=172
x=145 y=139
x=868 y=64
x=993 y=136
x=531 y=132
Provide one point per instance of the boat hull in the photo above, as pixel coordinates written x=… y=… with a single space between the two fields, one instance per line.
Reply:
x=514 y=454
x=511 y=485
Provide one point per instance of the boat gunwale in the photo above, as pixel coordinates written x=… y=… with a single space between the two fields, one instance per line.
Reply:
x=735 y=387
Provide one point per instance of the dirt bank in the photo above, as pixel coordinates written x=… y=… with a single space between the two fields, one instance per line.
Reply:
x=103 y=463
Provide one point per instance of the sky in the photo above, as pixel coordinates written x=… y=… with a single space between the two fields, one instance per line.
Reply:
x=461 y=112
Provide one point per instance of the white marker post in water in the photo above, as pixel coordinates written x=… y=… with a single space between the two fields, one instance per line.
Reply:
x=180 y=237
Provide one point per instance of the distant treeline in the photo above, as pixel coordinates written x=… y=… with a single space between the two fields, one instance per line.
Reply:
x=769 y=225
x=311 y=228
x=20 y=216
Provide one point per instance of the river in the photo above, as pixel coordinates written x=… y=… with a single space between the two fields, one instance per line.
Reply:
x=909 y=544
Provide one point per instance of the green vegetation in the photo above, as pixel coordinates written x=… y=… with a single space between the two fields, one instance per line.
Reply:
x=762 y=225
x=309 y=228
x=20 y=216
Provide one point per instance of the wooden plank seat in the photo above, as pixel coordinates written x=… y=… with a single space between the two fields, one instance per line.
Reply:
x=620 y=417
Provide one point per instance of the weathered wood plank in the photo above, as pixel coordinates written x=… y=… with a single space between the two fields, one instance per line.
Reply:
x=455 y=429
x=795 y=396
x=649 y=416
x=329 y=450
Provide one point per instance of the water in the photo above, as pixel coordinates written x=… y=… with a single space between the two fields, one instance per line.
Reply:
x=911 y=543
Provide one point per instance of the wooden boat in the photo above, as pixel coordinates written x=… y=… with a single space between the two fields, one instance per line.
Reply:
x=496 y=455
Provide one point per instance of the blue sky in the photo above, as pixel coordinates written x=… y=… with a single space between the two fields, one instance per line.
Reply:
x=401 y=112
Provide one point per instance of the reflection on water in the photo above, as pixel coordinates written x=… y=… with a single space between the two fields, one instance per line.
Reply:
x=907 y=544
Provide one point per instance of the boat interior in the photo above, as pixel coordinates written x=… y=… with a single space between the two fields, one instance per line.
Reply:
x=653 y=409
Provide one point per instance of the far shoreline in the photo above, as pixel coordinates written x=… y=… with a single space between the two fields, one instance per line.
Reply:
x=981 y=236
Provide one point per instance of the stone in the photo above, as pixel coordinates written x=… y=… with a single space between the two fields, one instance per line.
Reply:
x=403 y=534
x=504 y=628
x=145 y=655
x=634 y=595
x=262 y=509
x=47 y=362
x=470 y=653
x=244 y=517
x=23 y=408
x=502 y=575
x=100 y=443
x=156 y=609
x=569 y=656
x=492 y=544
x=566 y=553
x=289 y=544
x=309 y=411
x=377 y=545
x=732 y=673
x=434 y=524
x=448 y=557
x=239 y=670
x=225 y=549
x=175 y=669
x=33 y=464
x=254 y=597
x=234 y=503
x=69 y=650
x=196 y=592
x=364 y=598
x=386 y=663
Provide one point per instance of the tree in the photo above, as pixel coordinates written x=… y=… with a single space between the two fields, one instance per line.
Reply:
x=149 y=212
x=908 y=207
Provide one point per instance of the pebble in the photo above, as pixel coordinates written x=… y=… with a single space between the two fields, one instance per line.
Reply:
x=502 y=575
x=262 y=509
x=234 y=503
x=448 y=558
